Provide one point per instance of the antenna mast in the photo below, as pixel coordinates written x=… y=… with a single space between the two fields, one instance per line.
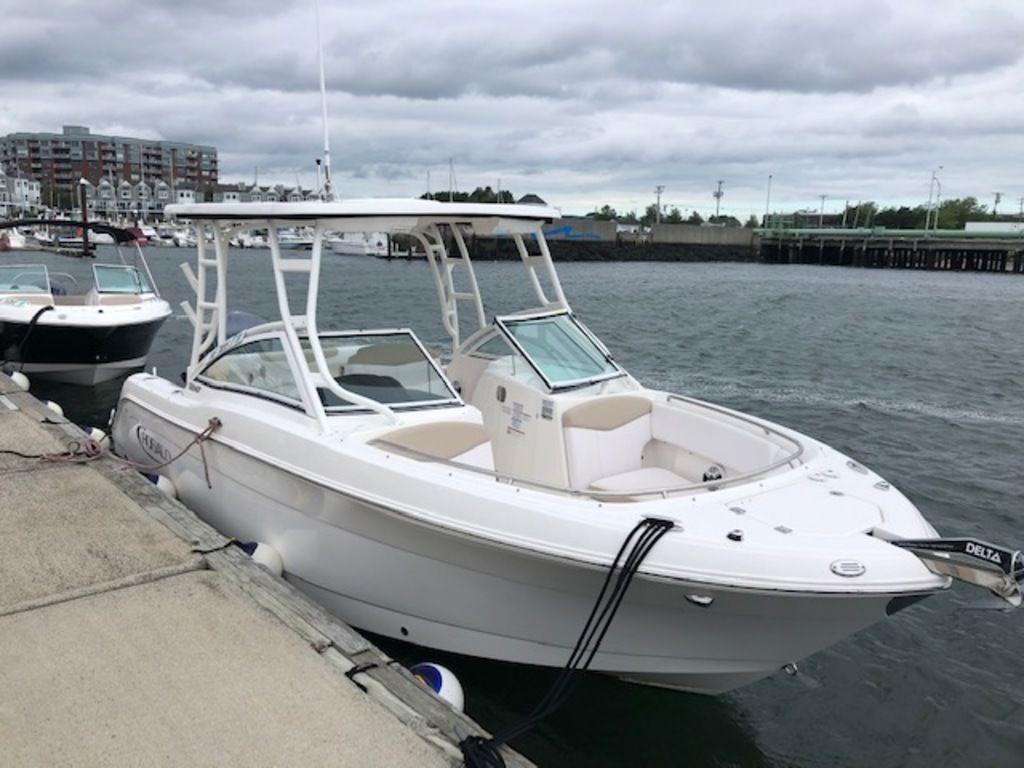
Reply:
x=328 y=193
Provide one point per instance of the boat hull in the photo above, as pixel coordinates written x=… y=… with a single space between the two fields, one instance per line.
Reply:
x=77 y=354
x=382 y=571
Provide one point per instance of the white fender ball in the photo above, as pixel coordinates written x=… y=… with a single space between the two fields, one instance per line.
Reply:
x=55 y=407
x=20 y=380
x=164 y=484
x=441 y=681
x=264 y=555
x=97 y=434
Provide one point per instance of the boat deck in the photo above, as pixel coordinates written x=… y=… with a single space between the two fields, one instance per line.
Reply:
x=133 y=633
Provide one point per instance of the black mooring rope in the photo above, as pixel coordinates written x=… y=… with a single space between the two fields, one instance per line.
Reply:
x=480 y=752
x=28 y=333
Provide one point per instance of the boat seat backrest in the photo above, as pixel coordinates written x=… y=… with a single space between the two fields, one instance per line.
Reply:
x=30 y=298
x=729 y=443
x=462 y=442
x=117 y=299
x=604 y=437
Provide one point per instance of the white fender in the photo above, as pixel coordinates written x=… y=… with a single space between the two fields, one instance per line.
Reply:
x=268 y=557
x=55 y=407
x=97 y=434
x=166 y=485
x=442 y=681
x=20 y=380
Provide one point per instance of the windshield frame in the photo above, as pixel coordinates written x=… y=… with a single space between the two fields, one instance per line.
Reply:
x=28 y=269
x=406 y=405
x=142 y=282
x=503 y=323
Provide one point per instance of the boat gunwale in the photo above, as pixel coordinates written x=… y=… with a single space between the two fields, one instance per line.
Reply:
x=410 y=516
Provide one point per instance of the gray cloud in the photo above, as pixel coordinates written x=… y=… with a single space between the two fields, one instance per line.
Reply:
x=583 y=102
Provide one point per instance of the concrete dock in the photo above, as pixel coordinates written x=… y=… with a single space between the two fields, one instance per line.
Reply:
x=131 y=633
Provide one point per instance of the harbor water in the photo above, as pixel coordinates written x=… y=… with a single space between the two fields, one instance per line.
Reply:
x=919 y=375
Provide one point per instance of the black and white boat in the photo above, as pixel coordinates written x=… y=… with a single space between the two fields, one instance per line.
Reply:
x=81 y=328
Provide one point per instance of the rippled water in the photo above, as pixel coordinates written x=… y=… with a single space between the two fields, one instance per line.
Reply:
x=919 y=375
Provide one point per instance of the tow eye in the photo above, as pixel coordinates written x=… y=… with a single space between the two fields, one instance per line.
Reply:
x=973 y=561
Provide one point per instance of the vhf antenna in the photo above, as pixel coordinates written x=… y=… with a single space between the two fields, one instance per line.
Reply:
x=328 y=192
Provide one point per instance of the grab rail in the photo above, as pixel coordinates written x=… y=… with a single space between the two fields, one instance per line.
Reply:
x=664 y=492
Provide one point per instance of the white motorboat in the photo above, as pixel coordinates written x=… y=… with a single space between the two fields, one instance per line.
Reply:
x=359 y=244
x=13 y=240
x=295 y=239
x=477 y=506
x=53 y=326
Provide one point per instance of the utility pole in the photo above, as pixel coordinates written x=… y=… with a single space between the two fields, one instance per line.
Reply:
x=768 y=200
x=928 y=214
x=821 y=212
x=995 y=204
x=846 y=209
x=657 y=212
x=429 y=196
x=451 y=179
x=1021 y=201
x=717 y=194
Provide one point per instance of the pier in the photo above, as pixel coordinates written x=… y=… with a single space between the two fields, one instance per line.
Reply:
x=949 y=250
x=132 y=633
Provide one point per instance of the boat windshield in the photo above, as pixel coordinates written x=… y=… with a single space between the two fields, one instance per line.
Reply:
x=390 y=367
x=113 y=278
x=24 y=278
x=562 y=352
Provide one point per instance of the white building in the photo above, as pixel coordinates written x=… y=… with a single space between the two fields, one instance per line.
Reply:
x=995 y=227
x=19 y=194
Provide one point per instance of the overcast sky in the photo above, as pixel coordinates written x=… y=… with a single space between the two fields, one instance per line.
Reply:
x=581 y=102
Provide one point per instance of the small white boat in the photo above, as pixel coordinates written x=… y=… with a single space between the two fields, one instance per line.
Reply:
x=477 y=506
x=12 y=240
x=52 y=325
x=295 y=239
x=360 y=244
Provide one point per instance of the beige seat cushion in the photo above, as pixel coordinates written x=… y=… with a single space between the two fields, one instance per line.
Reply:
x=606 y=413
x=638 y=480
x=459 y=441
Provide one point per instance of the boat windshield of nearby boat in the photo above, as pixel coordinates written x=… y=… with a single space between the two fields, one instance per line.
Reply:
x=84 y=323
x=473 y=501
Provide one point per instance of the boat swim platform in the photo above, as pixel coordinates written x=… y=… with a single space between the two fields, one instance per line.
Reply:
x=132 y=633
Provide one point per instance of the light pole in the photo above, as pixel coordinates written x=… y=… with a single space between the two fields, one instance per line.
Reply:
x=821 y=212
x=717 y=194
x=928 y=215
x=768 y=200
x=657 y=212
x=995 y=203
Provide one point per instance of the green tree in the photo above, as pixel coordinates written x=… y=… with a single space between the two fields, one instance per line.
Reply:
x=629 y=218
x=752 y=222
x=956 y=212
x=674 y=216
x=650 y=215
x=903 y=217
x=695 y=218
x=605 y=213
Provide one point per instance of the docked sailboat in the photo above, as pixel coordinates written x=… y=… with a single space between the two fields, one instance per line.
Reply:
x=85 y=328
x=475 y=505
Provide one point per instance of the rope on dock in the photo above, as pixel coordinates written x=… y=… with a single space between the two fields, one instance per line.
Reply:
x=77 y=452
x=85 y=449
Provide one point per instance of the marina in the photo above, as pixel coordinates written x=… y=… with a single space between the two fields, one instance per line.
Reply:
x=872 y=401
x=683 y=431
